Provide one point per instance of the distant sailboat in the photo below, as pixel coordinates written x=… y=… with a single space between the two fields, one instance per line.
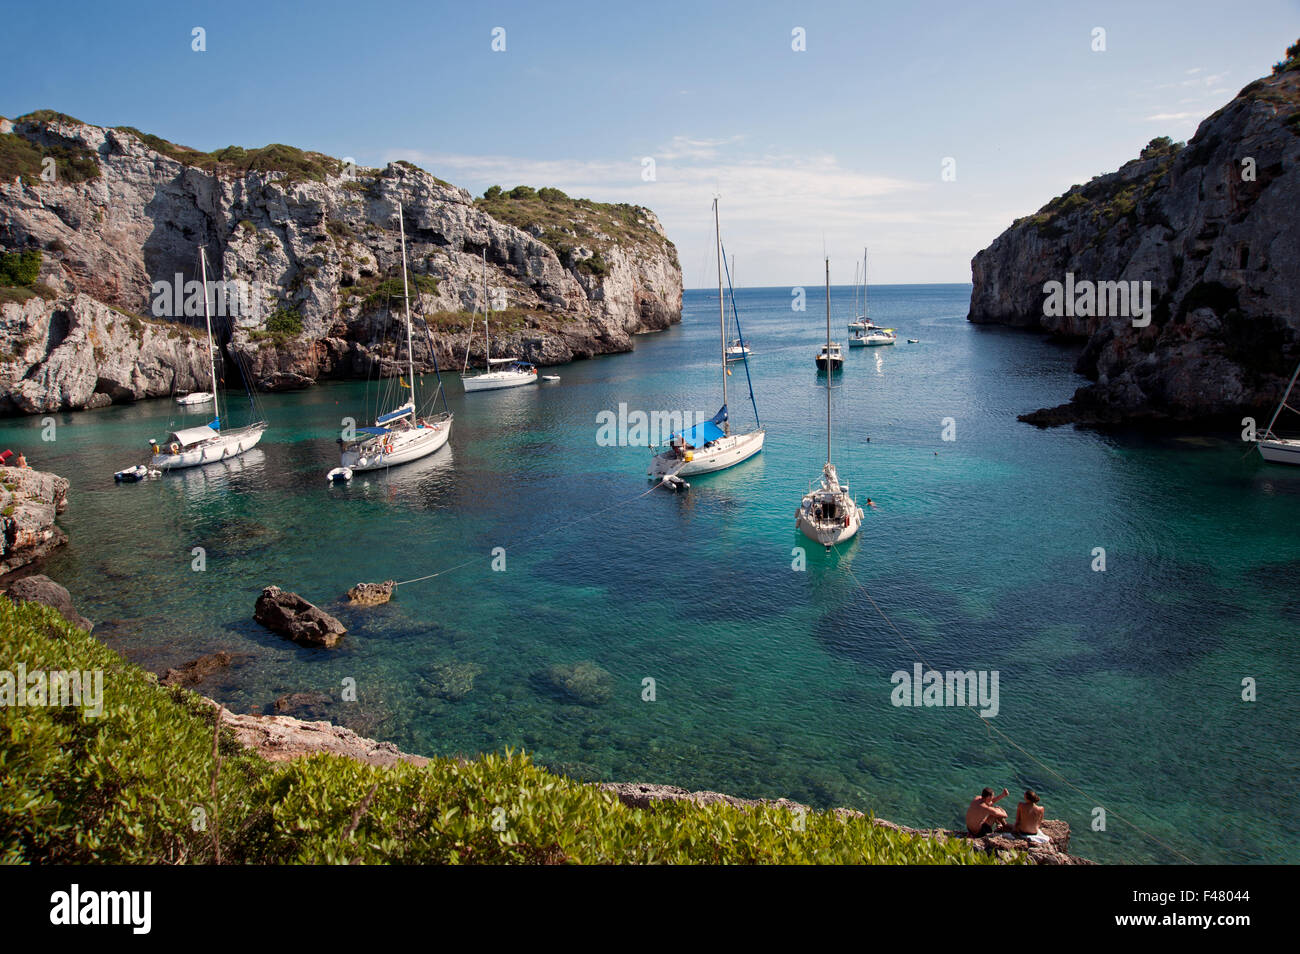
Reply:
x=828 y=514
x=400 y=435
x=192 y=446
x=1281 y=450
x=515 y=373
x=711 y=445
x=860 y=323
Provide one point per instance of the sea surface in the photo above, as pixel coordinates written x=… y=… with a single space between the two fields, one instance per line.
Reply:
x=1119 y=689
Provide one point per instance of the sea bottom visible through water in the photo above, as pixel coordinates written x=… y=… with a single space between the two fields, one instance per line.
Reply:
x=773 y=671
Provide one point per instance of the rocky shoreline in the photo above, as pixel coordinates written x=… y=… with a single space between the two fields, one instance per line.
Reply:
x=313 y=246
x=1210 y=225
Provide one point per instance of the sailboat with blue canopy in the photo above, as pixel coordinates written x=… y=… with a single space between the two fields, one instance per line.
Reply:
x=399 y=435
x=712 y=445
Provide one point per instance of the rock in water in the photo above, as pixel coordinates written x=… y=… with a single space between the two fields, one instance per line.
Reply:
x=29 y=502
x=371 y=594
x=41 y=589
x=196 y=670
x=584 y=682
x=290 y=615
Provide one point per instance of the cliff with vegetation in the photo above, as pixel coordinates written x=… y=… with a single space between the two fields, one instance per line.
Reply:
x=92 y=217
x=1211 y=225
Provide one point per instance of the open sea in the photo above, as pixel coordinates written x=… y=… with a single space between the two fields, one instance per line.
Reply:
x=1119 y=689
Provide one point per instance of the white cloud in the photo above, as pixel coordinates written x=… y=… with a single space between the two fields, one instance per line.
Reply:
x=779 y=209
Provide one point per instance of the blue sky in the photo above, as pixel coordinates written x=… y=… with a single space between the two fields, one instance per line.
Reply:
x=837 y=146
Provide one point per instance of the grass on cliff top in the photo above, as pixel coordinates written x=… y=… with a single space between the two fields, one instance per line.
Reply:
x=142 y=784
x=20 y=156
x=276 y=157
x=568 y=223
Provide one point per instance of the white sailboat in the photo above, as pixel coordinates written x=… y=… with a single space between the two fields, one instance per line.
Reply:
x=192 y=446
x=1281 y=450
x=512 y=372
x=860 y=323
x=828 y=513
x=399 y=435
x=711 y=445
x=194 y=397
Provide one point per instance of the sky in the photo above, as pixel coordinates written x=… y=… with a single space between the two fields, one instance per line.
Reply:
x=817 y=151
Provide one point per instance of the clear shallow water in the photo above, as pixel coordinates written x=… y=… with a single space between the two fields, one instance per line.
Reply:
x=769 y=681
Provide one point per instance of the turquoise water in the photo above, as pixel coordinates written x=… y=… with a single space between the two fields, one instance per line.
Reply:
x=769 y=681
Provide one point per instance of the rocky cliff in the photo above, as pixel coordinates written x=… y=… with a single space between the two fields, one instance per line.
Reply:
x=1212 y=226
x=30 y=500
x=308 y=250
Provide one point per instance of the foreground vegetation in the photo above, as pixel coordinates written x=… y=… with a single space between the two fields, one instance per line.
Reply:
x=150 y=781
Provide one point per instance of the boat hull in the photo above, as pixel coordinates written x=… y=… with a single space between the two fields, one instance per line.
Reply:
x=727 y=452
x=405 y=447
x=1280 y=451
x=827 y=532
x=222 y=446
x=496 y=380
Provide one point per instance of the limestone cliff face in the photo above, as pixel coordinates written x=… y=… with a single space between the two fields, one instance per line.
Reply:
x=30 y=500
x=315 y=244
x=1216 y=236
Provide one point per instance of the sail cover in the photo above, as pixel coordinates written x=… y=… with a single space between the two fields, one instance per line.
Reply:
x=397 y=414
x=701 y=434
x=192 y=435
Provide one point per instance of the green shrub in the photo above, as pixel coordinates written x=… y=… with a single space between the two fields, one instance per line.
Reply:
x=1292 y=61
x=20 y=156
x=285 y=323
x=20 y=268
x=522 y=192
x=493 y=192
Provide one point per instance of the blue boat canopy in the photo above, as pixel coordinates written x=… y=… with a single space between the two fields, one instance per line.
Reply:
x=372 y=430
x=401 y=412
x=701 y=434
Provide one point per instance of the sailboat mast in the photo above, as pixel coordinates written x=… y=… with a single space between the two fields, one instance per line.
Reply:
x=830 y=368
x=487 y=333
x=207 y=318
x=406 y=295
x=864 y=281
x=722 y=313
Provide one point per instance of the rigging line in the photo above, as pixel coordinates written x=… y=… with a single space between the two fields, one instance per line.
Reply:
x=1006 y=738
x=540 y=534
x=740 y=335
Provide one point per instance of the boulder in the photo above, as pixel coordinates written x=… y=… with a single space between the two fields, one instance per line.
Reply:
x=196 y=670
x=41 y=589
x=290 y=615
x=371 y=594
x=29 y=502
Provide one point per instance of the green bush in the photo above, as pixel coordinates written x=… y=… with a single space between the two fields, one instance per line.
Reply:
x=1292 y=61
x=547 y=194
x=522 y=192
x=20 y=268
x=151 y=782
x=285 y=323
x=493 y=192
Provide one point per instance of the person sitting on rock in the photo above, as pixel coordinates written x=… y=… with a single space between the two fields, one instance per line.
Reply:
x=983 y=816
x=1029 y=814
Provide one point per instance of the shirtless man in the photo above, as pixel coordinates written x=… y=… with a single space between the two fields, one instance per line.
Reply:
x=1029 y=814
x=983 y=816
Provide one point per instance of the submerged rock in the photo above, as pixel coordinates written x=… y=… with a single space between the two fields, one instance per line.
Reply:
x=41 y=589
x=583 y=682
x=371 y=594
x=290 y=615
x=453 y=681
x=197 y=670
